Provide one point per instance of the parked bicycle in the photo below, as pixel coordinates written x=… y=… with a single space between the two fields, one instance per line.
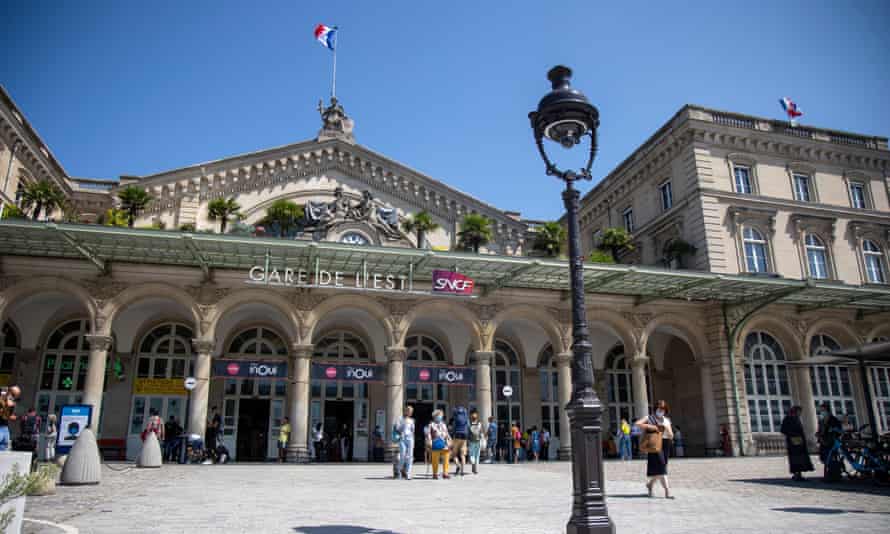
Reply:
x=856 y=457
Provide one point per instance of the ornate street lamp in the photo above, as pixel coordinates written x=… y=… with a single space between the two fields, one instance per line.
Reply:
x=566 y=117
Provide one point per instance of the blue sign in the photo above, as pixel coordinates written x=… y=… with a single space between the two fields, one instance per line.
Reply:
x=72 y=420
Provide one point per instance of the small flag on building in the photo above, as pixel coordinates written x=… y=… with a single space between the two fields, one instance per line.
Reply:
x=791 y=110
x=326 y=35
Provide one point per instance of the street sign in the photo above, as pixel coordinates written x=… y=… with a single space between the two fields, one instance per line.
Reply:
x=190 y=383
x=507 y=391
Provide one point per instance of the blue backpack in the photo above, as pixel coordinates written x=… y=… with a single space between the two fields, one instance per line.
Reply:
x=461 y=421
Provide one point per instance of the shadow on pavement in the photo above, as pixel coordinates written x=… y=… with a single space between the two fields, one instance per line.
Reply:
x=628 y=496
x=854 y=486
x=341 y=529
x=823 y=511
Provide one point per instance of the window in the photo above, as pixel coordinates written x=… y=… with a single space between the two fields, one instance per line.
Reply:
x=257 y=341
x=549 y=391
x=340 y=347
x=354 y=238
x=817 y=256
x=8 y=349
x=831 y=383
x=628 y=217
x=742 y=179
x=880 y=383
x=857 y=195
x=756 y=259
x=801 y=187
x=620 y=392
x=873 y=258
x=667 y=196
x=766 y=382
x=421 y=348
x=165 y=352
x=505 y=371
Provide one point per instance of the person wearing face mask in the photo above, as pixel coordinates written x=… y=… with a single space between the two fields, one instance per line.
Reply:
x=440 y=444
x=829 y=429
x=657 y=460
x=476 y=437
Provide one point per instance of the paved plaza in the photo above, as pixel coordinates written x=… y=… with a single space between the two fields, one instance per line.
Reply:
x=712 y=496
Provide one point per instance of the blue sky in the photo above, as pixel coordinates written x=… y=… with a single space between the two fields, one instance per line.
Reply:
x=445 y=87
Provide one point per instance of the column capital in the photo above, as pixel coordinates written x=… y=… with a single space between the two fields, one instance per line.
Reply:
x=99 y=342
x=395 y=353
x=302 y=350
x=564 y=359
x=483 y=357
x=202 y=346
x=640 y=361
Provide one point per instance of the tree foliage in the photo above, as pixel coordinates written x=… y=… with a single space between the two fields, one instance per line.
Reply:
x=115 y=217
x=283 y=215
x=616 y=240
x=475 y=231
x=421 y=224
x=550 y=238
x=133 y=200
x=43 y=196
x=223 y=209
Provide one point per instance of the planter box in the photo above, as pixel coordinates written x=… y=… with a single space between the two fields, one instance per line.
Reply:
x=7 y=461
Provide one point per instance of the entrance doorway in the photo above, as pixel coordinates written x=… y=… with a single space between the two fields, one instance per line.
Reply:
x=423 y=414
x=338 y=417
x=253 y=430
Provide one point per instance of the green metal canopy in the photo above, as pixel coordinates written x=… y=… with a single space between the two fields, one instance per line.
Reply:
x=104 y=246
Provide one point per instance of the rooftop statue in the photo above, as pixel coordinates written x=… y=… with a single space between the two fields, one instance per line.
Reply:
x=334 y=122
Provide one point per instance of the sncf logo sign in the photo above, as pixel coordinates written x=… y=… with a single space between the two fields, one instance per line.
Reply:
x=451 y=282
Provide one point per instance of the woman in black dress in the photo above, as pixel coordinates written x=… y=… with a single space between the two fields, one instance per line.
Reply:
x=796 y=442
x=656 y=462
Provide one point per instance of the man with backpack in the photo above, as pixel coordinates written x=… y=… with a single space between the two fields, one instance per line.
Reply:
x=477 y=434
x=460 y=436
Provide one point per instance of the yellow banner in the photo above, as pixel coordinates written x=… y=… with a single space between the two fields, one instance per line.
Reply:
x=159 y=386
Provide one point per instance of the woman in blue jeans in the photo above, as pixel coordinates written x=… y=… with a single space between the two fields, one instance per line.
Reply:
x=405 y=430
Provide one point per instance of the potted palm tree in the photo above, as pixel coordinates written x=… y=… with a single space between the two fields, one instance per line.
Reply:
x=133 y=200
x=616 y=240
x=421 y=223
x=283 y=215
x=44 y=196
x=223 y=209
x=475 y=231
x=675 y=251
x=549 y=239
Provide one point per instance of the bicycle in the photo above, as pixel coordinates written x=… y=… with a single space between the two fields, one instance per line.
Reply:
x=865 y=460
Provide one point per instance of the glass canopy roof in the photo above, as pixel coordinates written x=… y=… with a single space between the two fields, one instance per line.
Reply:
x=104 y=246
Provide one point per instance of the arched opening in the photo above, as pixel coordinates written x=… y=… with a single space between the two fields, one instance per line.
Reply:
x=550 y=408
x=163 y=359
x=832 y=384
x=341 y=405
x=766 y=382
x=506 y=370
x=425 y=350
x=254 y=407
x=619 y=388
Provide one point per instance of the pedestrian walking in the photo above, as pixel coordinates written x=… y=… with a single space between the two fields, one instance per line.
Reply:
x=318 y=442
x=545 y=444
x=517 y=441
x=172 y=431
x=440 y=444
x=829 y=430
x=211 y=433
x=656 y=442
x=492 y=442
x=477 y=434
x=427 y=447
x=283 y=438
x=459 y=439
x=8 y=398
x=796 y=444
x=155 y=425
x=29 y=432
x=535 y=443
x=624 y=440
x=405 y=432
x=635 y=434
x=679 y=444
x=52 y=431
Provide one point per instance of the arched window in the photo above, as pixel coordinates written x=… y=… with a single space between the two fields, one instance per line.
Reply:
x=880 y=383
x=549 y=390
x=63 y=374
x=817 y=256
x=257 y=341
x=426 y=351
x=506 y=372
x=873 y=257
x=766 y=382
x=831 y=383
x=620 y=388
x=756 y=257
x=340 y=347
x=164 y=360
x=9 y=346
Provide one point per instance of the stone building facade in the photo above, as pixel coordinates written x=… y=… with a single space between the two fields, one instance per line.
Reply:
x=117 y=318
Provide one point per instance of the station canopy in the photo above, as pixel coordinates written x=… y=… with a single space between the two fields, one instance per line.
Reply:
x=105 y=246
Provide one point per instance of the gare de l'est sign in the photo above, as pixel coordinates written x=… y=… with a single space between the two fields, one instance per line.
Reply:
x=443 y=282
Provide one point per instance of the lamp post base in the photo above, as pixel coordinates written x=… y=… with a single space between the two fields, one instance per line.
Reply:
x=589 y=513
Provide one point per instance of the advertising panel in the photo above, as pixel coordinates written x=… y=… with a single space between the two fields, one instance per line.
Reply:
x=452 y=283
x=350 y=373
x=158 y=386
x=455 y=376
x=272 y=369
x=72 y=420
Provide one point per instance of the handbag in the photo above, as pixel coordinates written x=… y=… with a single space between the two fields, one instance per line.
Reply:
x=796 y=441
x=650 y=442
x=439 y=444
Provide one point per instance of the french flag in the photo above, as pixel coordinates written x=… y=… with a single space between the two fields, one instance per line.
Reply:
x=790 y=108
x=326 y=35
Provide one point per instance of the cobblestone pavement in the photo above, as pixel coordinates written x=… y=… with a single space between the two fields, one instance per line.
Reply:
x=732 y=495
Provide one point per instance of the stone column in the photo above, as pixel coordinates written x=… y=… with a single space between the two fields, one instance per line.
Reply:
x=300 y=395
x=395 y=392
x=564 y=370
x=483 y=385
x=92 y=391
x=712 y=436
x=807 y=404
x=201 y=394
x=640 y=386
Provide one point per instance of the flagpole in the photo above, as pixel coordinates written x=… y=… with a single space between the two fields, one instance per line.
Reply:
x=334 y=75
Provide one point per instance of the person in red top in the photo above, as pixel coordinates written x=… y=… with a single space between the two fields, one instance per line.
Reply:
x=154 y=424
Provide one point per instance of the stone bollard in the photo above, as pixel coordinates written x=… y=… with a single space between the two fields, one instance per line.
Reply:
x=83 y=465
x=150 y=456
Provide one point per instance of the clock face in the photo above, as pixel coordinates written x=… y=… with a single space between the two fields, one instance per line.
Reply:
x=354 y=238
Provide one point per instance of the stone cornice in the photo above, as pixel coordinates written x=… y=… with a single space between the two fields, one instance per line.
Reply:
x=799 y=208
